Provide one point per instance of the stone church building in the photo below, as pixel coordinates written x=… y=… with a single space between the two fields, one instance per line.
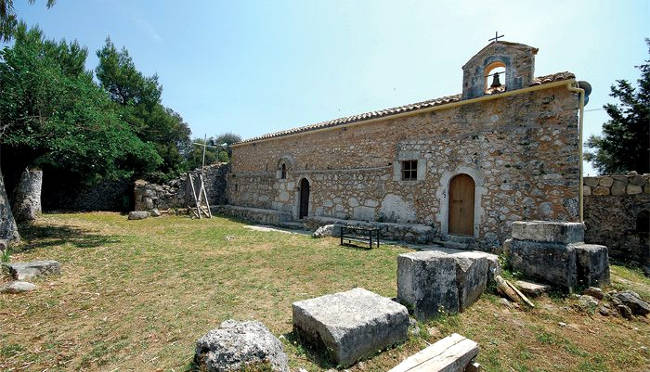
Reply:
x=467 y=165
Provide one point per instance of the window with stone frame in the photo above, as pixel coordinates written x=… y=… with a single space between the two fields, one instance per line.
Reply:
x=283 y=171
x=409 y=170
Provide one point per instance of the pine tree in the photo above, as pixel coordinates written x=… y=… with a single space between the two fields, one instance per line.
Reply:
x=625 y=143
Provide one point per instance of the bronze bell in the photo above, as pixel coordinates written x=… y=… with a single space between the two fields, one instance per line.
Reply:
x=495 y=81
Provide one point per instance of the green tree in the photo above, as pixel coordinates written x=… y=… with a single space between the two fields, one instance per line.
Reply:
x=138 y=98
x=52 y=113
x=226 y=140
x=8 y=18
x=625 y=143
x=195 y=155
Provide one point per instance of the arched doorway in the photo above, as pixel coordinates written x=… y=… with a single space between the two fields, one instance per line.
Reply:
x=304 y=198
x=461 y=205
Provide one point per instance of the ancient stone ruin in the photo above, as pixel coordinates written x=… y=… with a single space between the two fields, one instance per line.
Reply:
x=351 y=325
x=617 y=214
x=436 y=282
x=555 y=253
x=177 y=194
x=27 y=197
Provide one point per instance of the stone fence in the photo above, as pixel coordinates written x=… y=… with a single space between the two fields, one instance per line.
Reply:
x=177 y=193
x=616 y=209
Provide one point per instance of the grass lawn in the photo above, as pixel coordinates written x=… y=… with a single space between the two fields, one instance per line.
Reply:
x=135 y=295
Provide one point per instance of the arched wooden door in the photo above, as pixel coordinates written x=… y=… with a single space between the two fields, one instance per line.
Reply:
x=304 y=198
x=461 y=205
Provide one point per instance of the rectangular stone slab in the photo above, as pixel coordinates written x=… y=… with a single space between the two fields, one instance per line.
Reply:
x=451 y=354
x=351 y=325
x=33 y=269
x=548 y=231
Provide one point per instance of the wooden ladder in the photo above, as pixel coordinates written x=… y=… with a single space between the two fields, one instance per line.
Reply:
x=202 y=207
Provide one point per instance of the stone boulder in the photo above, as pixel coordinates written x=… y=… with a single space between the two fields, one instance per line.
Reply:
x=240 y=345
x=138 y=215
x=633 y=301
x=17 y=287
x=33 y=269
x=327 y=230
x=351 y=325
x=155 y=212
x=27 y=197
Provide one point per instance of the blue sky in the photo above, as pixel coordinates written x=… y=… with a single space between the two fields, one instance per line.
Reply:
x=252 y=67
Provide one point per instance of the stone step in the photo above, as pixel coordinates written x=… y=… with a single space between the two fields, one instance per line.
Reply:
x=292 y=225
x=452 y=244
x=451 y=354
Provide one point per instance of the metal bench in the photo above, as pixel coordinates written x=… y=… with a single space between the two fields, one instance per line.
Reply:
x=367 y=235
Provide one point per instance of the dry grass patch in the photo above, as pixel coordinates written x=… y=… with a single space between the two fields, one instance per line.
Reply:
x=137 y=294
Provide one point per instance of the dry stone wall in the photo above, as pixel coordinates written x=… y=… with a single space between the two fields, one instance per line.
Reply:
x=520 y=150
x=616 y=209
x=177 y=193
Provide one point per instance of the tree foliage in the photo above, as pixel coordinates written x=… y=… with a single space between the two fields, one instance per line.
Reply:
x=8 y=18
x=138 y=100
x=52 y=112
x=625 y=143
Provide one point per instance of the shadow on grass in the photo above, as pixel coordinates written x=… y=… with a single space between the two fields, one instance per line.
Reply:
x=35 y=236
x=316 y=354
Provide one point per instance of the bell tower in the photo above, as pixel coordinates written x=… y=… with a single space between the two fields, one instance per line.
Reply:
x=498 y=67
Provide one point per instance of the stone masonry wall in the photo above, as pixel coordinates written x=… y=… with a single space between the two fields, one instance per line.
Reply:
x=614 y=209
x=177 y=193
x=521 y=151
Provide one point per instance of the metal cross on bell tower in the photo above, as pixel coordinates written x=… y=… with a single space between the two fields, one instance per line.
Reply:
x=496 y=37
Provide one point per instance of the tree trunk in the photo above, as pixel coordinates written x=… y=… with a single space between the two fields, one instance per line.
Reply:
x=27 y=197
x=8 y=227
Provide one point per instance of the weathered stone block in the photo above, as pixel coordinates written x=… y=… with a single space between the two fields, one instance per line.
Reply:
x=236 y=346
x=586 y=190
x=554 y=263
x=547 y=231
x=351 y=325
x=605 y=181
x=618 y=188
x=17 y=287
x=138 y=215
x=634 y=189
x=27 y=196
x=592 y=264
x=29 y=270
x=600 y=191
x=636 y=179
x=471 y=279
x=590 y=181
x=427 y=282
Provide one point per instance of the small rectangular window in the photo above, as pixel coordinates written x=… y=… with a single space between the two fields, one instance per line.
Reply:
x=409 y=170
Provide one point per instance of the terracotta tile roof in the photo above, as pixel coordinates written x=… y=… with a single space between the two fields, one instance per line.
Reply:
x=395 y=110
